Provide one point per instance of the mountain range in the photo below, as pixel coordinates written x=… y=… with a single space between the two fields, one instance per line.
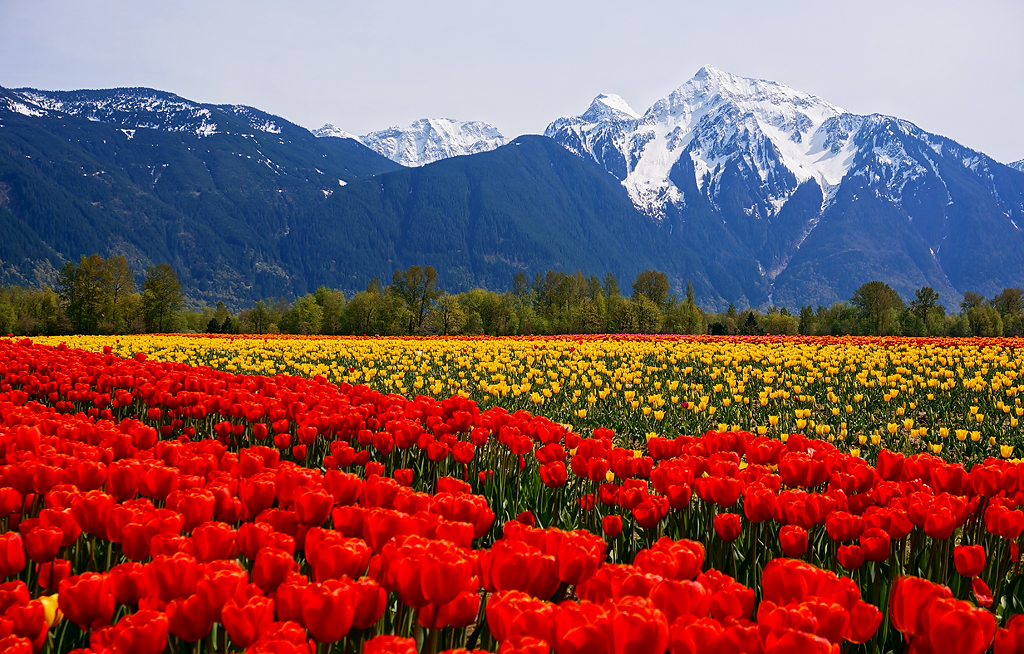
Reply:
x=425 y=141
x=756 y=193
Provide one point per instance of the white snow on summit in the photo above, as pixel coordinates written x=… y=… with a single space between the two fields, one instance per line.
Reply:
x=336 y=132
x=426 y=140
x=612 y=106
x=1017 y=165
x=717 y=116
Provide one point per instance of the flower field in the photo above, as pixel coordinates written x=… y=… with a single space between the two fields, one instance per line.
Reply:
x=957 y=398
x=190 y=494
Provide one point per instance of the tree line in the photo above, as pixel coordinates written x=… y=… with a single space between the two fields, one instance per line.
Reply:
x=95 y=296
x=102 y=296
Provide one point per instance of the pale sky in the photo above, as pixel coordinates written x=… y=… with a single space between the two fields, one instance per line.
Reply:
x=953 y=68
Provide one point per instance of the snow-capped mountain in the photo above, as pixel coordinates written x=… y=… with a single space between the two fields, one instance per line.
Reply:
x=1017 y=165
x=766 y=128
x=427 y=140
x=143 y=108
x=737 y=152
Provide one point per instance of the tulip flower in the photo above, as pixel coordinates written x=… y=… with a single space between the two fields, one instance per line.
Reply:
x=727 y=526
x=12 y=554
x=189 y=618
x=86 y=600
x=328 y=610
x=969 y=559
x=247 y=619
x=611 y=525
x=876 y=544
x=793 y=540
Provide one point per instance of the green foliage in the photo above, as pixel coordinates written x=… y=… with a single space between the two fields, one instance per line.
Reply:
x=161 y=296
x=878 y=304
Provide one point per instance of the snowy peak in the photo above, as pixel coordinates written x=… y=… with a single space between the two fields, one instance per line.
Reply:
x=774 y=136
x=427 y=140
x=609 y=107
x=329 y=130
x=1017 y=165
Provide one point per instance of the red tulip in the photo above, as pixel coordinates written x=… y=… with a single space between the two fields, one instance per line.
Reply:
x=981 y=591
x=189 y=618
x=12 y=554
x=611 y=525
x=214 y=541
x=170 y=577
x=950 y=626
x=86 y=600
x=247 y=619
x=759 y=503
x=371 y=600
x=459 y=613
x=850 y=557
x=219 y=586
x=939 y=522
x=196 y=506
x=907 y=598
x=1010 y=639
x=43 y=543
x=336 y=558
x=513 y=612
x=271 y=568
x=693 y=635
x=328 y=610
x=28 y=621
x=727 y=526
x=313 y=506
x=969 y=559
x=91 y=511
x=128 y=583
x=864 y=622
x=524 y=645
x=553 y=474
x=636 y=626
x=579 y=554
x=390 y=645
x=49 y=575
x=344 y=487
x=793 y=540
x=62 y=520
x=252 y=537
x=144 y=632
x=677 y=599
x=580 y=628
x=16 y=645
x=875 y=544
x=842 y=526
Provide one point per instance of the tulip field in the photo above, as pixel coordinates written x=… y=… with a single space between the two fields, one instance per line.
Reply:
x=569 y=495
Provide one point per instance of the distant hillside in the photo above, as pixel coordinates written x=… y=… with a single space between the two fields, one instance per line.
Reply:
x=214 y=197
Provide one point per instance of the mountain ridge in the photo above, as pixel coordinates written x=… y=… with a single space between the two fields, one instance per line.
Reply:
x=756 y=193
